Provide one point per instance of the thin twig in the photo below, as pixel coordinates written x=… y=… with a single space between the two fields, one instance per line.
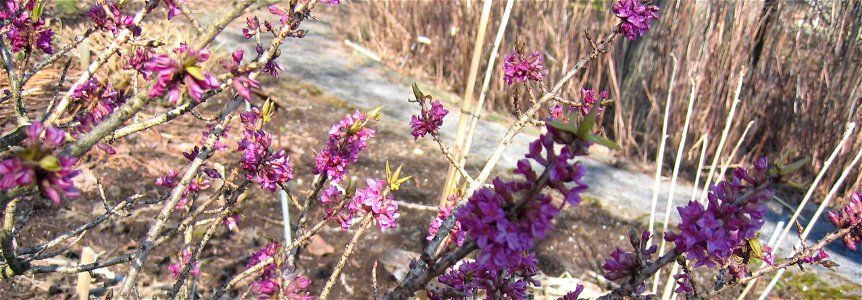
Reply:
x=366 y=222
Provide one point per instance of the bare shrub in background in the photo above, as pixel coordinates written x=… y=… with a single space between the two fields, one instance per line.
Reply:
x=799 y=88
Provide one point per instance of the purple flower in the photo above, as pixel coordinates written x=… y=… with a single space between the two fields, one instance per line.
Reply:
x=35 y=164
x=635 y=16
x=265 y=288
x=590 y=100
x=262 y=255
x=510 y=282
x=429 y=120
x=269 y=168
x=138 y=61
x=573 y=295
x=768 y=257
x=346 y=139
x=100 y=100
x=171 y=74
x=377 y=201
x=683 y=284
x=23 y=31
x=272 y=67
x=241 y=82
x=518 y=68
x=712 y=235
x=109 y=18
x=284 y=15
x=821 y=255
x=296 y=289
x=848 y=217
x=177 y=268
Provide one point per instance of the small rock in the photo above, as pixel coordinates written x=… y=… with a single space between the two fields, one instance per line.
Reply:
x=417 y=151
x=397 y=262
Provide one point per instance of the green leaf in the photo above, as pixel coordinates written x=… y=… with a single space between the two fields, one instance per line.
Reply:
x=50 y=163
x=195 y=72
x=604 y=142
x=755 y=246
x=417 y=92
x=588 y=123
x=793 y=167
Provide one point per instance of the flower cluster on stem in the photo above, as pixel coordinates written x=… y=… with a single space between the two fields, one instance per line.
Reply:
x=518 y=67
x=267 y=286
x=184 y=70
x=636 y=17
x=23 y=28
x=36 y=164
x=346 y=139
x=429 y=119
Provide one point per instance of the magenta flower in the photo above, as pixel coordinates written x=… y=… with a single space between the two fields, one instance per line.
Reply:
x=35 y=164
x=590 y=100
x=330 y=198
x=346 y=139
x=683 y=284
x=272 y=67
x=635 y=16
x=331 y=2
x=270 y=169
x=621 y=264
x=254 y=27
x=429 y=120
x=241 y=82
x=23 y=31
x=518 y=68
x=262 y=255
x=109 y=18
x=375 y=200
x=100 y=101
x=296 y=289
x=138 y=60
x=456 y=235
x=171 y=74
x=848 y=217
x=821 y=255
x=173 y=8
x=284 y=15
x=177 y=268
x=510 y=282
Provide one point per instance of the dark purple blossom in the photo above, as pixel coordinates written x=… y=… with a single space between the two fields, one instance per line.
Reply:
x=272 y=67
x=820 y=256
x=241 y=81
x=621 y=264
x=510 y=282
x=683 y=284
x=429 y=119
x=99 y=101
x=711 y=235
x=635 y=16
x=23 y=31
x=518 y=68
x=254 y=27
x=268 y=167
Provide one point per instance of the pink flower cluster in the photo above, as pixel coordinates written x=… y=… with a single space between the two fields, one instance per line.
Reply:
x=519 y=68
x=713 y=235
x=109 y=18
x=254 y=27
x=35 y=164
x=100 y=100
x=429 y=120
x=590 y=100
x=636 y=17
x=346 y=139
x=266 y=287
x=177 y=268
x=456 y=235
x=269 y=169
x=172 y=73
x=848 y=217
x=375 y=200
x=22 y=30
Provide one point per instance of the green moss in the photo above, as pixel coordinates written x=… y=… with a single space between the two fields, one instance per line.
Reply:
x=813 y=286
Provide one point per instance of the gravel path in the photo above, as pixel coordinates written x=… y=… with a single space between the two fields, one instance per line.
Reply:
x=323 y=60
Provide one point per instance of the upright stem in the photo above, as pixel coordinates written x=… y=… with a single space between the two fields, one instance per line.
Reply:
x=14 y=266
x=366 y=222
